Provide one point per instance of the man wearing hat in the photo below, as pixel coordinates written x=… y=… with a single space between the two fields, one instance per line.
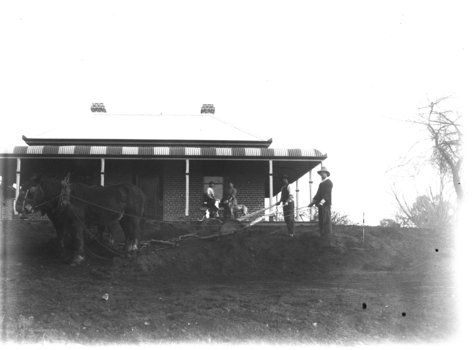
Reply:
x=322 y=200
x=288 y=205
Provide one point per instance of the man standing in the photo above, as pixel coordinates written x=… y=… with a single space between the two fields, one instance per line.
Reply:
x=231 y=202
x=288 y=205
x=322 y=200
x=211 y=200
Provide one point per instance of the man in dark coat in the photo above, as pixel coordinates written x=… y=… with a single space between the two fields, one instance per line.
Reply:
x=231 y=201
x=288 y=205
x=322 y=200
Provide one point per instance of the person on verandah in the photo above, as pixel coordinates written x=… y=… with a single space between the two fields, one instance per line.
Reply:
x=322 y=200
x=287 y=195
x=211 y=201
x=231 y=202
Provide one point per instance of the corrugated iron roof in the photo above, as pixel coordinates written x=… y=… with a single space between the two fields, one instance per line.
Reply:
x=104 y=126
x=158 y=152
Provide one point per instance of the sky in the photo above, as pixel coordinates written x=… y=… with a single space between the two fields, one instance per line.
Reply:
x=338 y=76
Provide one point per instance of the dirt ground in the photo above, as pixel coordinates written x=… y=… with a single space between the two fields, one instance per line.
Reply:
x=259 y=285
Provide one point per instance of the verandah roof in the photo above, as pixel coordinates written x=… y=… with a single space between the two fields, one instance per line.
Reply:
x=159 y=152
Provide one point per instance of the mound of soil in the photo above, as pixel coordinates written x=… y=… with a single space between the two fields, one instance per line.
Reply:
x=257 y=285
x=258 y=253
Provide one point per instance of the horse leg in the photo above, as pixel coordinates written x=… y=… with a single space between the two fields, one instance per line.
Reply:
x=131 y=228
x=76 y=231
x=59 y=228
x=136 y=233
x=112 y=228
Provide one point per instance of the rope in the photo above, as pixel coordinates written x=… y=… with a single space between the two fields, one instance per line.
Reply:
x=159 y=221
x=95 y=255
x=45 y=202
x=154 y=220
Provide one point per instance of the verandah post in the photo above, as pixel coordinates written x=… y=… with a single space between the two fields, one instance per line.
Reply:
x=102 y=172
x=18 y=179
x=271 y=183
x=310 y=181
x=1 y=198
x=187 y=186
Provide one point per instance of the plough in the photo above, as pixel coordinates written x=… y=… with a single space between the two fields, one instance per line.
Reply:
x=215 y=228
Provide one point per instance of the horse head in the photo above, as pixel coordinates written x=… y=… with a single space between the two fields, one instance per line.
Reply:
x=31 y=194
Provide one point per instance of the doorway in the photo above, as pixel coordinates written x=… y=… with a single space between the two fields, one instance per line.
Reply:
x=151 y=186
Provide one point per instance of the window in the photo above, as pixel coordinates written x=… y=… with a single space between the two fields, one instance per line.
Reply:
x=217 y=185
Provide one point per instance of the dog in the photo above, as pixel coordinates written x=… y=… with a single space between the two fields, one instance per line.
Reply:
x=214 y=211
x=235 y=208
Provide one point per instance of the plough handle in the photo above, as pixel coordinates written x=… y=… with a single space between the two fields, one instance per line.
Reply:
x=256 y=212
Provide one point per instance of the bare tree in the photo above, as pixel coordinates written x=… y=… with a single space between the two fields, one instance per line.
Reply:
x=446 y=133
x=432 y=211
x=442 y=134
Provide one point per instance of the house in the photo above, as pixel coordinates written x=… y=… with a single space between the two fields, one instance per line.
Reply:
x=172 y=158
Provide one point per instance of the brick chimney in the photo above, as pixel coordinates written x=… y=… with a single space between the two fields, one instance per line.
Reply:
x=98 y=107
x=207 y=108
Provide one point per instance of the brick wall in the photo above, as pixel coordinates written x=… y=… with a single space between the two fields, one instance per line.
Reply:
x=248 y=178
x=174 y=190
x=7 y=209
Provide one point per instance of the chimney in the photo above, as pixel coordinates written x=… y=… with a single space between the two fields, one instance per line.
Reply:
x=207 y=108
x=98 y=107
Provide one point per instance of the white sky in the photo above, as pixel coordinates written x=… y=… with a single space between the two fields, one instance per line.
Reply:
x=330 y=75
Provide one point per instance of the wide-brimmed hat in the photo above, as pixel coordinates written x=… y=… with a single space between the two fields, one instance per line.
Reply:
x=324 y=170
x=285 y=176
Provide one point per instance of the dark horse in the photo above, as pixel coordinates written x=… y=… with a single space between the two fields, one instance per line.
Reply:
x=24 y=204
x=49 y=206
x=78 y=206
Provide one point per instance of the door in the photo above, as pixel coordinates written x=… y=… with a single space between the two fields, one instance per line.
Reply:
x=150 y=185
